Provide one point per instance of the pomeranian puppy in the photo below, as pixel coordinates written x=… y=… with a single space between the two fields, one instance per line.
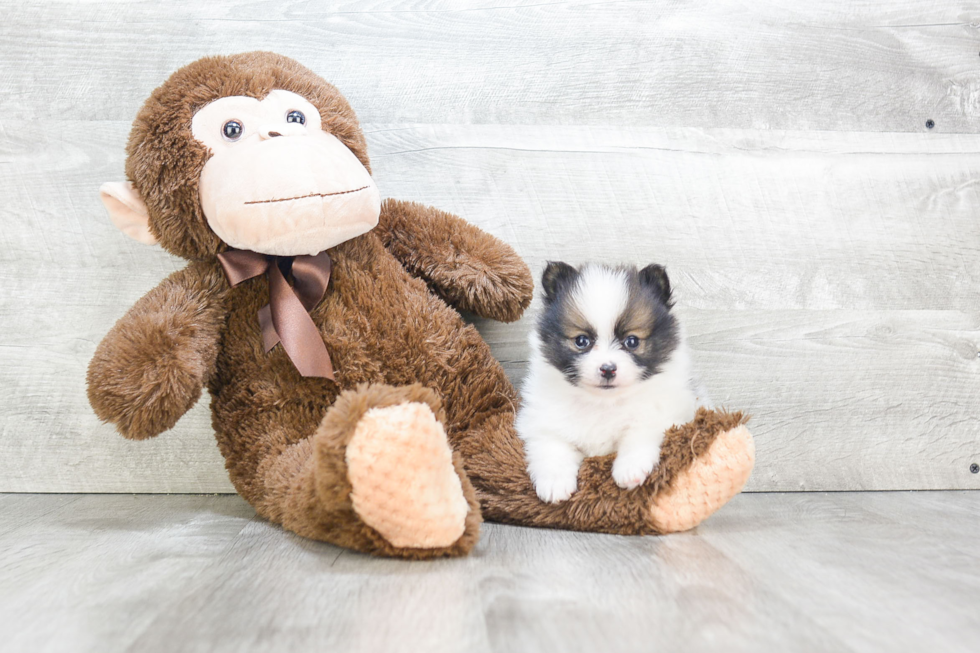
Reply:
x=609 y=372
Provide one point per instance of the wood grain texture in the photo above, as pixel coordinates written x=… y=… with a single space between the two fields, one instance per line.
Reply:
x=770 y=572
x=870 y=66
x=824 y=253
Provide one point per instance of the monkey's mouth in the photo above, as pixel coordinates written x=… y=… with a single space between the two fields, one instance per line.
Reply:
x=303 y=197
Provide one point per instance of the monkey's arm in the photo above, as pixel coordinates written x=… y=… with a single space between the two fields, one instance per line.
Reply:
x=150 y=368
x=469 y=268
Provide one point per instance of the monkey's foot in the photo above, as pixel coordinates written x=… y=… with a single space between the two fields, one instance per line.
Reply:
x=711 y=480
x=404 y=483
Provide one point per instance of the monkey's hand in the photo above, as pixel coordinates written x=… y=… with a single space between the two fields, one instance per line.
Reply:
x=466 y=266
x=150 y=368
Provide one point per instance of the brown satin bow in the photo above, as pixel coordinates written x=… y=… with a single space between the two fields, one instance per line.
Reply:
x=286 y=317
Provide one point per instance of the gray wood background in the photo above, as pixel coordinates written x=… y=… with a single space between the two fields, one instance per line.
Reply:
x=774 y=155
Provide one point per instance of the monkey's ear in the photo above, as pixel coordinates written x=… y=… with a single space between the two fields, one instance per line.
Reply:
x=127 y=210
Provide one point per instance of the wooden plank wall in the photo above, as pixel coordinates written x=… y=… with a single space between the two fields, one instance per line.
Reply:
x=824 y=242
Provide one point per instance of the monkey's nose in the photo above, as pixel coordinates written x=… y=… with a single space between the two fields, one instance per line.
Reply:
x=272 y=130
x=607 y=371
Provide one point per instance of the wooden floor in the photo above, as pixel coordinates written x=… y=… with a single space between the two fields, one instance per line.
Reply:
x=771 y=572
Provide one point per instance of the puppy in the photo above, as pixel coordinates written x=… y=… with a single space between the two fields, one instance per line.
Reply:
x=609 y=372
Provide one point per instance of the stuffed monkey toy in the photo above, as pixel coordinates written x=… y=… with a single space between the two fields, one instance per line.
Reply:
x=351 y=402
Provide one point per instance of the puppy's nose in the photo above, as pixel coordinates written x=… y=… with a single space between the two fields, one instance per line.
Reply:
x=607 y=370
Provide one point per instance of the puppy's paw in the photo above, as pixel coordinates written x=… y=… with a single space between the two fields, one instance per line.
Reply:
x=555 y=486
x=630 y=470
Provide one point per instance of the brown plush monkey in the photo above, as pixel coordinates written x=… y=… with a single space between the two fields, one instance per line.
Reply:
x=351 y=402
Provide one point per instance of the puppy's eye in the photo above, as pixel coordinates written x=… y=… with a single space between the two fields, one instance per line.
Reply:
x=232 y=130
x=631 y=342
x=296 y=116
x=583 y=341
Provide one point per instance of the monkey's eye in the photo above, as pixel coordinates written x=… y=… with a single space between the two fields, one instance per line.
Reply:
x=232 y=130
x=583 y=341
x=631 y=342
x=296 y=116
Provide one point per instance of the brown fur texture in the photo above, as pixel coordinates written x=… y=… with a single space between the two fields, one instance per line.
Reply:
x=465 y=268
x=598 y=505
x=167 y=345
x=385 y=321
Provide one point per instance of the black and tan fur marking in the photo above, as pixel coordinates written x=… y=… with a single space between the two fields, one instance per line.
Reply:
x=647 y=315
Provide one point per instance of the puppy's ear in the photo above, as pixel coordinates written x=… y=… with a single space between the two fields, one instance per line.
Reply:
x=655 y=278
x=557 y=276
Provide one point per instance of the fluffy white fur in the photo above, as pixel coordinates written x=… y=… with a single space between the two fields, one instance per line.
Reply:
x=562 y=423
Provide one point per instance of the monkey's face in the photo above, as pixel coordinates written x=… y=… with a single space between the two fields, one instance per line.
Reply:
x=276 y=183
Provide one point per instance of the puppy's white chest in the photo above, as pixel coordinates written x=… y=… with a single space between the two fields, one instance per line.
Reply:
x=595 y=428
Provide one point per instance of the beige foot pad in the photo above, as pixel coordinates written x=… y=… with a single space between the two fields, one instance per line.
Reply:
x=404 y=485
x=707 y=484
